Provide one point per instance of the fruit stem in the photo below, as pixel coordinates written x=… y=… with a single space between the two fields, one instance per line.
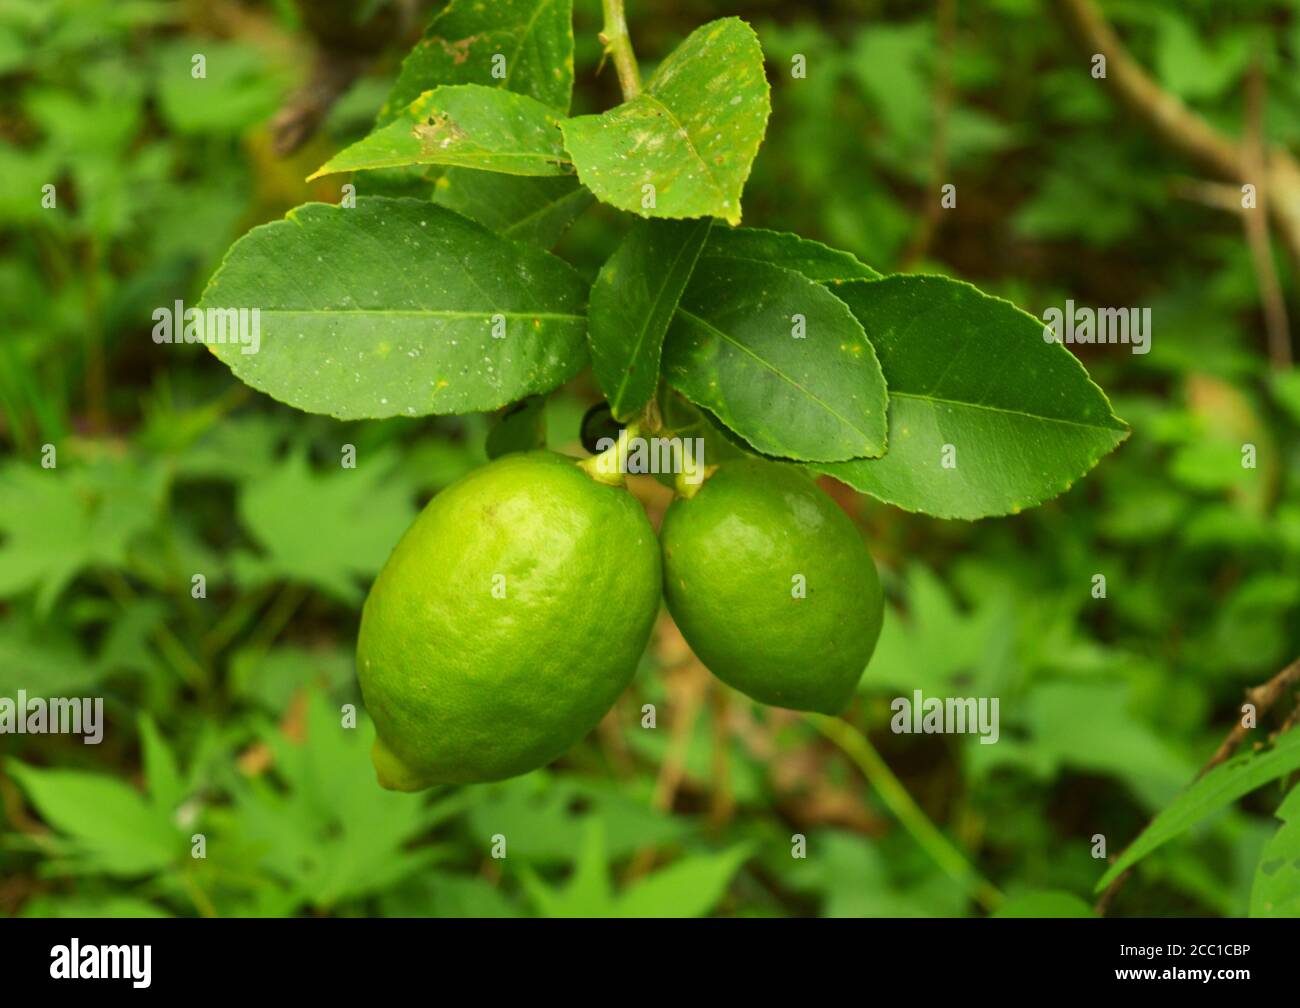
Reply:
x=651 y=420
x=609 y=466
x=687 y=488
x=941 y=850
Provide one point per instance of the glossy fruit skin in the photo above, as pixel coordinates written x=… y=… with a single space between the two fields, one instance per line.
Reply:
x=464 y=686
x=731 y=554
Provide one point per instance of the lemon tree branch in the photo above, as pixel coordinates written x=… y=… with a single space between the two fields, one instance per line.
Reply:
x=618 y=47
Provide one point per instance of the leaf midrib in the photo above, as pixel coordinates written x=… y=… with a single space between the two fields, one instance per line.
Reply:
x=462 y=158
x=893 y=393
x=778 y=372
x=546 y=208
x=690 y=142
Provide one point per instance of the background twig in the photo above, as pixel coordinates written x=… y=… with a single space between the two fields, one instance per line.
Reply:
x=1263 y=697
x=892 y=792
x=1272 y=170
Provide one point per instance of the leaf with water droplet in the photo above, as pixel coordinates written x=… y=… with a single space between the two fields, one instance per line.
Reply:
x=413 y=296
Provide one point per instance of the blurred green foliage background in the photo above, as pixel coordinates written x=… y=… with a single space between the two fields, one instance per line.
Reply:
x=223 y=712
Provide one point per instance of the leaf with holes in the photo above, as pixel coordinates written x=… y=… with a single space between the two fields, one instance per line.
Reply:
x=985 y=416
x=1276 y=891
x=684 y=146
x=395 y=307
x=632 y=304
x=779 y=360
x=525 y=46
x=467 y=125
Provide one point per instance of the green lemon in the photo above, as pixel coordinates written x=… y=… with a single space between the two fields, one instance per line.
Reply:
x=507 y=621
x=772 y=586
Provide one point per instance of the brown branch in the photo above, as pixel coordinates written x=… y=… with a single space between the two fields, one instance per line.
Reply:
x=1176 y=124
x=1255 y=222
x=1263 y=697
x=688 y=682
x=1291 y=721
x=1216 y=195
x=1275 y=172
x=332 y=73
x=722 y=803
x=345 y=47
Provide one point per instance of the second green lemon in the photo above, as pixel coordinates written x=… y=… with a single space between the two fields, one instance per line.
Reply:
x=506 y=623
x=772 y=586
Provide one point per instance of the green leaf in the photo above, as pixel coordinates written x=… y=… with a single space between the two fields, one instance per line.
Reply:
x=1193 y=69
x=161 y=773
x=691 y=134
x=973 y=372
x=360 y=513
x=734 y=349
x=56 y=523
x=113 y=828
x=436 y=894
x=819 y=263
x=43 y=658
x=242 y=85
x=331 y=833
x=931 y=643
x=540 y=814
x=1276 y=891
x=270 y=679
x=587 y=893
x=690 y=887
x=236 y=450
x=1111 y=741
x=1044 y=903
x=1222 y=786
x=398 y=306
x=527 y=208
x=855 y=879
x=528 y=43
x=632 y=303
x=1286 y=390
x=467 y=125
x=73 y=907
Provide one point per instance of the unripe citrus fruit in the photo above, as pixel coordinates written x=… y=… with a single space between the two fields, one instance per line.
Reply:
x=772 y=586
x=505 y=624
